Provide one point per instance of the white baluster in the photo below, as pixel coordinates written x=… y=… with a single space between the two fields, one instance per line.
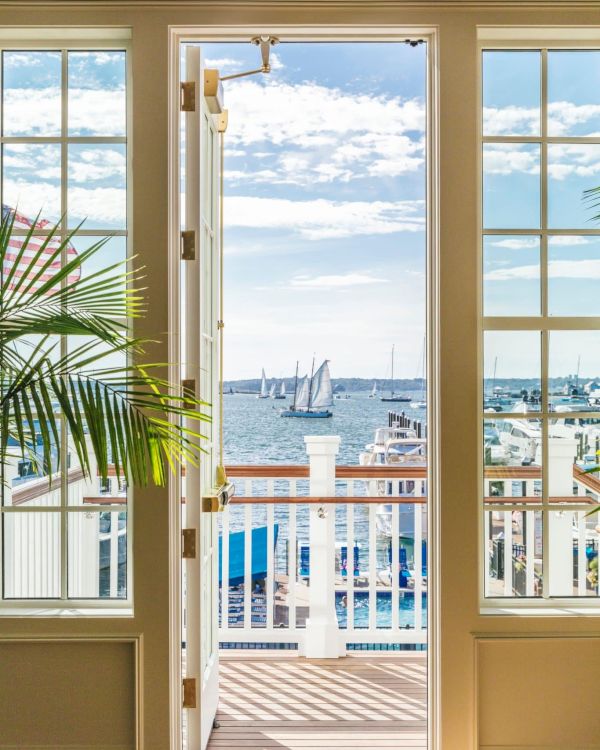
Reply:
x=270 y=582
x=418 y=561
x=372 y=566
x=395 y=566
x=248 y=562
x=350 y=560
x=225 y=567
x=322 y=632
x=292 y=556
x=530 y=553
x=581 y=555
x=508 y=566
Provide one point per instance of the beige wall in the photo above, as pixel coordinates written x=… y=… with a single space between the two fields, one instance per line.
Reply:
x=460 y=619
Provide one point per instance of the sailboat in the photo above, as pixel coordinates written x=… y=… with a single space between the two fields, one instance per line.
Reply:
x=421 y=403
x=314 y=395
x=264 y=393
x=394 y=396
x=281 y=393
x=373 y=393
x=272 y=391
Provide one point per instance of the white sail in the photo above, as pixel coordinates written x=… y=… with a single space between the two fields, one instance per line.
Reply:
x=282 y=390
x=302 y=397
x=321 y=391
x=263 y=385
x=374 y=391
x=272 y=391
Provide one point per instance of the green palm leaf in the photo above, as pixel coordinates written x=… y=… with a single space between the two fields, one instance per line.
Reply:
x=129 y=417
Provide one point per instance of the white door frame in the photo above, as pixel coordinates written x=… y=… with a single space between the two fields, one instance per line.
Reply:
x=317 y=33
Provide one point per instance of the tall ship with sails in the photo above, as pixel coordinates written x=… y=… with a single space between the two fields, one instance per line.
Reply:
x=264 y=391
x=393 y=395
x=312 y=396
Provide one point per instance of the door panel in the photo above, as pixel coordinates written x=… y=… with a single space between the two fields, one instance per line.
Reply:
x=201 y=358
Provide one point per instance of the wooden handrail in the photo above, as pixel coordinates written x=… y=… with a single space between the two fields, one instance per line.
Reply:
x=384 y=499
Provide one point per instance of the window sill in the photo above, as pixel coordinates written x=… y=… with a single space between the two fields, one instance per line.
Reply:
x=66 y=612
x=543 y=609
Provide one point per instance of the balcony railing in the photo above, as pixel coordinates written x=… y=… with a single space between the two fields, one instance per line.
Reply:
x=323 y=557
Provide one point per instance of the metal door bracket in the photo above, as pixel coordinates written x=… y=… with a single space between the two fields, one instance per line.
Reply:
x=188 y=96
x=188 y=544
x=189 y=692
x=188 y=244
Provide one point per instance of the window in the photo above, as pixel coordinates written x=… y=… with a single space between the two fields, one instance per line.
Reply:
x=65 y=159
x=540 y=324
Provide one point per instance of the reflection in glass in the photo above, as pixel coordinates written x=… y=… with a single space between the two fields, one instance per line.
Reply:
x=97 y=181
x=572 y=169
x=573 y=92
x=511 y=186
x=31 y=180
x=31 y=555
x=512 y=371
x=97 y=104
x=573 y=368
x=511 y=275
x=514 y=544
x=510 y=443
x=31 y=93
x=511 y=92
x=97 y=566
x=573 y=275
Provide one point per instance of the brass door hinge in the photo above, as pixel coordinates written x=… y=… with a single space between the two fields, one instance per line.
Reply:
x=189 y=692
x=187 y=102
x=188 y=544
x=188 y=244
x=211 y=504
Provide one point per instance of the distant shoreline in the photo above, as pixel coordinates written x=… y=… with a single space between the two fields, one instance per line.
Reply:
x=356 y=385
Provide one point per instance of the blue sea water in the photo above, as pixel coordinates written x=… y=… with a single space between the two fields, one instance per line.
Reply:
x=255 y=433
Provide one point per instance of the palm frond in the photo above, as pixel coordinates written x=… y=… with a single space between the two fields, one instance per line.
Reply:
x=127 y=417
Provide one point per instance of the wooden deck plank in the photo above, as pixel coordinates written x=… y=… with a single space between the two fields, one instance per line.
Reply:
x=274 y=700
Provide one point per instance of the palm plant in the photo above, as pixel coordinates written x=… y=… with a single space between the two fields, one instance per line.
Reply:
x=127 y=416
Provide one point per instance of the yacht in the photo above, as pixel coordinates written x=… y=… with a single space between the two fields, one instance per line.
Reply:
x=393 y=396
x=264 y=391
x=313 y=396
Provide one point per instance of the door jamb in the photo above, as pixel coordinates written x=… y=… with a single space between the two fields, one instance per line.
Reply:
x=346 y=33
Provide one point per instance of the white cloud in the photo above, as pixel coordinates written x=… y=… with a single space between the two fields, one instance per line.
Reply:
x=564 y=116
x=506 y=158
x=325 y=134
x=339 y=281
x=325 y=219
x=514 y=243
x=21 y=59
x=97 y=164
x=90 y=110
x=510 y=120
x=569 y=240
x=557 y=269
x=223 y=62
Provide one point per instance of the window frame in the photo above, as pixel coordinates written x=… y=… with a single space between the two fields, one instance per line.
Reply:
x=65 y=41
x=493 y=40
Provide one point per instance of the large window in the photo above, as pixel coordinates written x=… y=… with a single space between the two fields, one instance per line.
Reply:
x=65 y=160
x=541 y=323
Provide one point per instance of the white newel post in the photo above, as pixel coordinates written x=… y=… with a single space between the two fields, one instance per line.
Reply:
x=561 y=455
x=322 y=632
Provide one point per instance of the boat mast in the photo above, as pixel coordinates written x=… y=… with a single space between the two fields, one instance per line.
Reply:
x=295 y=387
x=312 y=374
x=392 y=386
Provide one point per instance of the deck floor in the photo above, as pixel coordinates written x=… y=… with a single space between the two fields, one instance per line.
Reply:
x=368 y=700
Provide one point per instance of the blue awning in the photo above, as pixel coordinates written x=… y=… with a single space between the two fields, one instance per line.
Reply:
x=237 y=545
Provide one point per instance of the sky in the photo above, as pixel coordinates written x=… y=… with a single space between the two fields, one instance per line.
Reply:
x=324 y=208
x=512 y=200
x=325 y=195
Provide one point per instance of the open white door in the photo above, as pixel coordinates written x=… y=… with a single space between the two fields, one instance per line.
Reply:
x=201 y=358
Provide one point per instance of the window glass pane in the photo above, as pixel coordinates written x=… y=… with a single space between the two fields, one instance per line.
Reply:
x=97 y=105
x=513 y=540
x=31 y=93
x=512 y=371
x=573 y=92
x=31 y=555
x=511 y=186
x=512 y=458
x=511 y=92
x=572 y=169
x=573 y=275
x=97 y=181
x=511 y=275
x=98 y=555
x=573 y=553
x=31 y=180
x=573 y=367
